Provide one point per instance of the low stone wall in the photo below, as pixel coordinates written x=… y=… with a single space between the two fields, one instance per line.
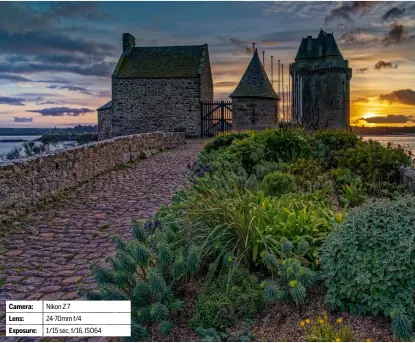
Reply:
x=24 y=183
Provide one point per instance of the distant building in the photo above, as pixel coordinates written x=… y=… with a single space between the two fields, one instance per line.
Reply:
x=321 y=84
x=254 y=101
x=157 y=88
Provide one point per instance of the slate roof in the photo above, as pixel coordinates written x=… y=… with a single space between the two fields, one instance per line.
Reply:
x=161 y=62
x=255 y=82
x=107 y=105
x=323 y=46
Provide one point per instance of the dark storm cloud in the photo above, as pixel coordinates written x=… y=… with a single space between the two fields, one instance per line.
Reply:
x=101 y=69
x=346 y=10
x=19 y=78
x=397 y=34
x=242 y=47
x=362 y=70
x=51 y=42
x=364 y=100
x=23 y=119
x=393 y=13
x=402 y=96
x=23 y=17
x=75 y=9
x=14 y=78
x=71 y=88
x=12 y=101
x=62 y=111
x=225 y=84
x=389 y=119
x=357 y=36
x=384 y=65
x=25 y=31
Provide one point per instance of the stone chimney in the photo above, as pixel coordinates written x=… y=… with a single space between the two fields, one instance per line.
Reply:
x=128 y=42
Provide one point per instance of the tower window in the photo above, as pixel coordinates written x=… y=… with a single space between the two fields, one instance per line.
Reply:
x=324 y=81
x=331 y=103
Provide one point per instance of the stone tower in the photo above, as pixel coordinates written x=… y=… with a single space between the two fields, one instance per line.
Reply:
x=320 y=84
x=254 y=101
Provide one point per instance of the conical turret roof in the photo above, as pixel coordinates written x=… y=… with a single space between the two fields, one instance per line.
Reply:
x=255 y=82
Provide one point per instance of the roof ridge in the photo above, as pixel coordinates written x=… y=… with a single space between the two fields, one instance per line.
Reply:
x=255 y=82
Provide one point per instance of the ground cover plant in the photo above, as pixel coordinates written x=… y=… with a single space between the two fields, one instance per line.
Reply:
x=259 y=224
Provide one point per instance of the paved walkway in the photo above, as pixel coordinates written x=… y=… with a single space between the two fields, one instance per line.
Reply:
x=47 y=255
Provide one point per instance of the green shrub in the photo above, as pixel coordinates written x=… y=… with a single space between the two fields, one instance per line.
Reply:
x=349 y=186
x=221 y=218
x=223 y=140
x=368 y=262
x=291 y=281
x=278 y=183
x=244 y=334
x=328 y=142
x=145 y=271
x=265 y=167
x=228 y=299
x=376 y=165
x=284 y=145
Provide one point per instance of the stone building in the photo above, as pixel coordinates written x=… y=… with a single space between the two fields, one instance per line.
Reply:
x=254 y=101
x=157 y=88
x=320 y=84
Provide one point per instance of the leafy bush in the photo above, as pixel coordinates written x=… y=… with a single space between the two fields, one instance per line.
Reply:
x=228 y=299
x=292 y=280
x=321 y=330
x=243 y=334
x=221 y=218
x=265 y=167
x=145 y=271
x=328 y=142
x=278 y=183
x=223 y=140
x=368 y=262
x=349 y=186
x=284 y=145
x=378 y=166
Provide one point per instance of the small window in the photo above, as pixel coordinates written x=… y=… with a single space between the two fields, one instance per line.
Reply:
x=331 y=103
x=324 y=81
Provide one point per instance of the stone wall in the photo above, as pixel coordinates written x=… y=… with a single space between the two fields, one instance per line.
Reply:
x=104 y=123
x=24 y=183
x=147 y=105
x=321 y=93
x=252 y=113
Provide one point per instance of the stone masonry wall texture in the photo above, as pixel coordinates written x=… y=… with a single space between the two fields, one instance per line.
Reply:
x=26 y=182
x=147 y=105
x=244 y=117
x=104 y=123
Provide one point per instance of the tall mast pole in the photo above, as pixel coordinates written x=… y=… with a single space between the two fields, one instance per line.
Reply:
x=289 y=90
x=253 y=48
x=263 y=58
x=272 y=71
x=283 y=90
x=279 y=77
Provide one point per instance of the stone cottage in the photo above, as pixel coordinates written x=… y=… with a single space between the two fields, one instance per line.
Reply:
x=321 y=84
x=157 y=88
x=254 y=101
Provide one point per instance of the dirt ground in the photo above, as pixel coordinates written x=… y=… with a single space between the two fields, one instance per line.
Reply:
x=281 y=322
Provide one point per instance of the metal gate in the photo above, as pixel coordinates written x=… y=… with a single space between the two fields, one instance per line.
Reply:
x=216 y=116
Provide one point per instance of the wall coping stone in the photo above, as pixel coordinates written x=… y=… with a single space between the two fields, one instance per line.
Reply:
x=26 y=182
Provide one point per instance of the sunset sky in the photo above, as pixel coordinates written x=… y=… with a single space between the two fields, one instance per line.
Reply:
x=56 y=59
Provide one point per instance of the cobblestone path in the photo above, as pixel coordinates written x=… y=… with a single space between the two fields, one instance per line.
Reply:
x=47 y=255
